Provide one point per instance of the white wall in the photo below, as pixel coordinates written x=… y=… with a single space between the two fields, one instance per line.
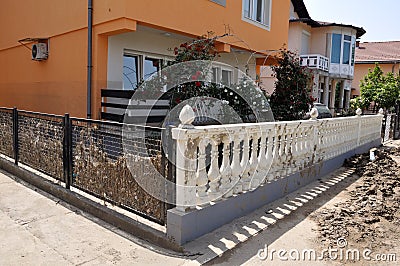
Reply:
x=153 y=42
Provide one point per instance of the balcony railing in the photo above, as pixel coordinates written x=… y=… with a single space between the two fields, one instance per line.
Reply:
x=315 y=61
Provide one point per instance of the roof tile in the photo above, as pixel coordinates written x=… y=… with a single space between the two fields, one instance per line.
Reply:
x=378 y=52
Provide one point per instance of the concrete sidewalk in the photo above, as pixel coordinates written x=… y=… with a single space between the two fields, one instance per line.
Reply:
x=38 y=229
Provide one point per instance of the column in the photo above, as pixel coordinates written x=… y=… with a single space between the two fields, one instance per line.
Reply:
x=325 y=94
x=348 y=97
x=315 y=86
x=341 y=94
x=333 y=92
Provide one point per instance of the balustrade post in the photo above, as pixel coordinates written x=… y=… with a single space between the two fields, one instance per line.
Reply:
x=185 y=161
x=315 y=130
x=201 y=174
x=358 y=115
x=269 y=154
x=236 y=166
x=214 y=174
x=245 y=163
x=226 y=170
x=253 y=160
x=262 y=160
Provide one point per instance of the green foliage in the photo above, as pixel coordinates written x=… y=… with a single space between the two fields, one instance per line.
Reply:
x=292 y=96
x=387 y=94
x=382 y=89
x=356 y=103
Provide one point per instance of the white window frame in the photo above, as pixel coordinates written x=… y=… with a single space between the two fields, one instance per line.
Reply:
x=219 y=69
x=266 y=8
x=343 y=41
x=141 y=61
x=341 y=47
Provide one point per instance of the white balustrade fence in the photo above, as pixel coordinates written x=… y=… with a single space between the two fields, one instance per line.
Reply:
x=216 y=162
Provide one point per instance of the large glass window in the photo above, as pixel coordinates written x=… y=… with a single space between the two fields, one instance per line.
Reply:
x=220 y=74
x=226 y=78
x=346 y=49
x=214 y=77
x=257 y=10
x=353 y=51
x=246 y=8
x=346 y=53
x=137 y=67
x=336 y=48
x=151 y=66
x=130 y=72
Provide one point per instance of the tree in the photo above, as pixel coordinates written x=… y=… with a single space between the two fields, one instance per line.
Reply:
x=379 y=88
x=292 y=98
x=387 y=95
x=370 y=84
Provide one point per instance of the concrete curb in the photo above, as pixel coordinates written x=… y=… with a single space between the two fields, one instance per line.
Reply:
x=112 y=217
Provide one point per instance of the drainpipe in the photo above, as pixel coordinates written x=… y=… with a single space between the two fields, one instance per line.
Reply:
x=89 y=59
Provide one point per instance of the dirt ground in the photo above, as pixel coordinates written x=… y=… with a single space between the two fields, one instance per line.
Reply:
x=357 y=204
x=368 y=215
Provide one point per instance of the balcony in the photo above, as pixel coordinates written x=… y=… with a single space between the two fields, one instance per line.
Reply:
x=341 y=70
x=315 y=61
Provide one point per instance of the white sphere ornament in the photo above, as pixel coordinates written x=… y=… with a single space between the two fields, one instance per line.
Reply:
x=314 y=113
x=381 y=111
x=187 y=116
x=358 y=111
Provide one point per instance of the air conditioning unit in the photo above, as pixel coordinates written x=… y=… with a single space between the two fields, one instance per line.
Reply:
x=39 y=51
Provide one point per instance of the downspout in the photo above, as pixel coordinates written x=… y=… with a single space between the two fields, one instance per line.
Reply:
x=89 y=59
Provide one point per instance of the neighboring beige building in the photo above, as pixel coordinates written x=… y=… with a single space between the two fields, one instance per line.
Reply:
x=386 y=54
x=326 y=48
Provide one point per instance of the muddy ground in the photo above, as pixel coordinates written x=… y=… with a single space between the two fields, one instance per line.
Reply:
x=368 y=217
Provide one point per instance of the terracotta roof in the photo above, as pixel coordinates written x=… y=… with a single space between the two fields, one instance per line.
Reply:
x=380 y=52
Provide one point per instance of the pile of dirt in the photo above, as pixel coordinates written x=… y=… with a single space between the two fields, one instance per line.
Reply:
x=370 y=215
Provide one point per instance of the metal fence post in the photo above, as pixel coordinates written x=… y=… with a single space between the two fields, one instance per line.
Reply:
x=15 y=134
x=67 y=158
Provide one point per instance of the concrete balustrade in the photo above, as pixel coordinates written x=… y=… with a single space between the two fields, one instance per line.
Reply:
x=221 y=161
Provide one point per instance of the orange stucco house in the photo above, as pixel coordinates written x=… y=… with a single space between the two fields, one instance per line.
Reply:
x=386 y=54
x=88 y=45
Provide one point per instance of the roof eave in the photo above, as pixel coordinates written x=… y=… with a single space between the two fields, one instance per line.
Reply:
x=316 y=24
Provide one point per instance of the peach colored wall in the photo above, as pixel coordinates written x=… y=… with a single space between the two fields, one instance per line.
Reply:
x=360 y=70
x=58 y=85
x=318 y=41
x=295 y=36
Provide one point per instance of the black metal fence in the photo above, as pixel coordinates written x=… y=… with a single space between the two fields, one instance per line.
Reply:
x=6 y=132
x=90 y=155
x=40 y=142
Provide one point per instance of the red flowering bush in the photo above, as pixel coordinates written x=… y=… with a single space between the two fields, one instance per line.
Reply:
x=204 y=49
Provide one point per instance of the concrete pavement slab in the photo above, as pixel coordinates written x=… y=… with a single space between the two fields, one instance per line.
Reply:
x=36 y=229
